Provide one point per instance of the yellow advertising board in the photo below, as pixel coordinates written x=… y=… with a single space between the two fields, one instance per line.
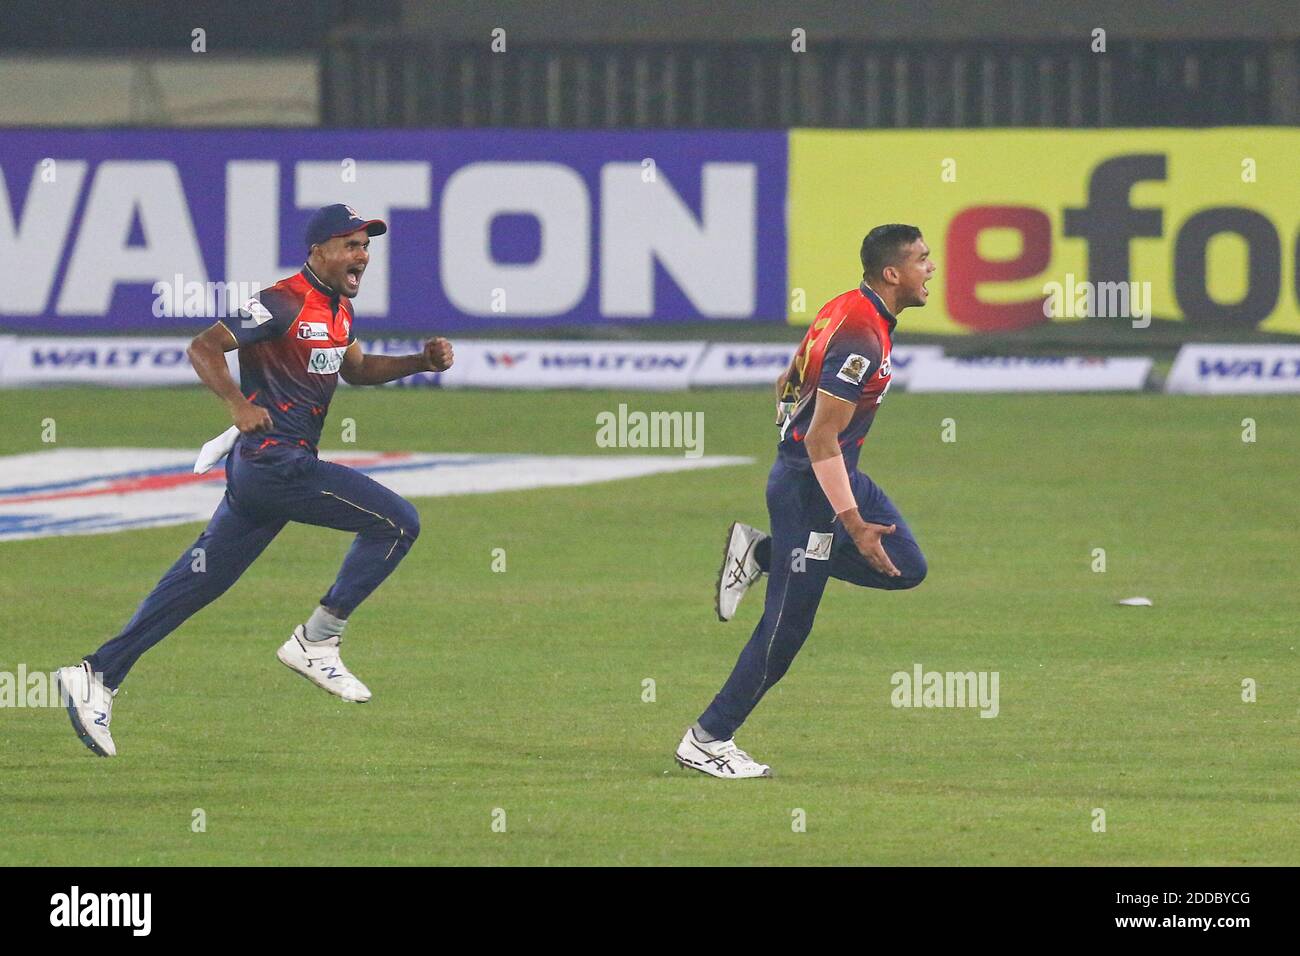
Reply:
x=1036 y=226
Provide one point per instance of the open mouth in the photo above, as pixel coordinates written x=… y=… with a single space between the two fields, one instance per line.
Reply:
x=352 y=279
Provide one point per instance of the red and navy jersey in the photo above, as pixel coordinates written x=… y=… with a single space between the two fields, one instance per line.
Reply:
x=846 y=354
x=291 y=338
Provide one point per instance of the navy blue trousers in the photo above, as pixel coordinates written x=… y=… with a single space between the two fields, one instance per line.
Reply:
x=264 y=491
x=800 y=515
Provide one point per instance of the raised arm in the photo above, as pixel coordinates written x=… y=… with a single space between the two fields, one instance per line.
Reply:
x=362 y=369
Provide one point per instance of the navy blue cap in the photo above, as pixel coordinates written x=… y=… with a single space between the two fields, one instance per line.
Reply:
x=339 y=220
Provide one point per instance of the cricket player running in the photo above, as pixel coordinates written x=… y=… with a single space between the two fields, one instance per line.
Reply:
x=828 y=518
x=295 y=339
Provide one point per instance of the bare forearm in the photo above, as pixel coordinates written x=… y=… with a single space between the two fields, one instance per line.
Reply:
x=832 y=474
x=377 y=369
x=822 y=443
x=830 y=419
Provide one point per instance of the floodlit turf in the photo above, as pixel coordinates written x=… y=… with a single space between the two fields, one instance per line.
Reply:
x=523 y=690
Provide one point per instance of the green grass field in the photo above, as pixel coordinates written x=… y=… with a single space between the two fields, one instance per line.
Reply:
x=523 y=690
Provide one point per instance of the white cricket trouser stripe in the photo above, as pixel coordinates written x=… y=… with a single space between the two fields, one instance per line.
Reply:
x=400 y=531
x=767 y=656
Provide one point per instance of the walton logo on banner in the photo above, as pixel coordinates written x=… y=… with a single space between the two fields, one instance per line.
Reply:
x=1235 y=369
x=547 y=364
x=486 y=227
x=744 y=363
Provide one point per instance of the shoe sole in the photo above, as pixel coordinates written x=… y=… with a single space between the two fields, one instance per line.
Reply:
x=722 y=572
x=346 y=700
x=77 y=725
x=690 y=766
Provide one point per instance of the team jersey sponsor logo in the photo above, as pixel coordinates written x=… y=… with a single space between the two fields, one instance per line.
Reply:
x=326 y=361
x=313 y=330
x=884 y=368
x=854 y=369
x=254 y=312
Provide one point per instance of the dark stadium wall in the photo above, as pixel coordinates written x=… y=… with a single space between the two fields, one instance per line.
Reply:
x=660 y=20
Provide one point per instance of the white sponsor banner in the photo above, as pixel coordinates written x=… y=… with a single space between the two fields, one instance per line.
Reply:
x=1030 y=374
x=128 y=362
x=904 y=361
x=101 y=490
x=1235 y=369
x=751 y=363
x=545 y=364
x=743 y=363
x=480 y=363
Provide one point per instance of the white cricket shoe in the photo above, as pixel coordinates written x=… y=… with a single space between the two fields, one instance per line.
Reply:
x=739 y=569
x=90 y=707
x=319 y=662
x=718 y=758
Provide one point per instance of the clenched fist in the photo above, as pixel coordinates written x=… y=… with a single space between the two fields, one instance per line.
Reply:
x=439 y=354
x=250 y=418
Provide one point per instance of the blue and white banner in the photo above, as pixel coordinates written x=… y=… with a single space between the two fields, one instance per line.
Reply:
x=743 y=363
x=480 y=363
x=546 y=364
x=155 y=231
x=1016 y=373
x=759 y=363
x=122 y=362
x=1235 y=370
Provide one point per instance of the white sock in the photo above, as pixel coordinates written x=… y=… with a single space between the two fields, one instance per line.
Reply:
x=322 y=625
x=702 y=735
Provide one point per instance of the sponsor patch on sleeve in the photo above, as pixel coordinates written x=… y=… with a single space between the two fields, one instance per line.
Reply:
x=254 y=313
x=854 y=369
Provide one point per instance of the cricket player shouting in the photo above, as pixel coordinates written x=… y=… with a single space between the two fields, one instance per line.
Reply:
x=295 y=339
x=828 y=518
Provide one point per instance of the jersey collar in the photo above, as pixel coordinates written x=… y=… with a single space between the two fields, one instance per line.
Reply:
x=879 y=303
x=315 y=282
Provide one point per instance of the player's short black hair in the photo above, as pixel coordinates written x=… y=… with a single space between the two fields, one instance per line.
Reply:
x=882 y=246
